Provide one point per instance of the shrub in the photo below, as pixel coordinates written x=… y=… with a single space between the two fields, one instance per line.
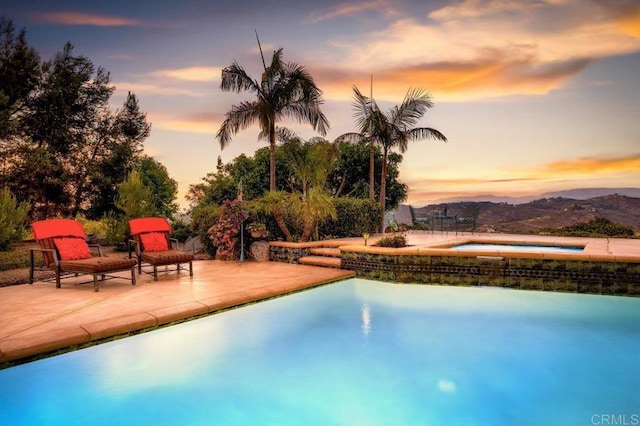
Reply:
x=116 y=229
x=598 y=226
x=355 y=216
x=180 y=230
x=13 y=216
x=396 y=241
x=18 y=258
x=93 y=227
x=224 y=233
x=203 y=218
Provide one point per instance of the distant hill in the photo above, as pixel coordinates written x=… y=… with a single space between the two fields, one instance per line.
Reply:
x=587 y=193
x=576 y=194
x=534 y=216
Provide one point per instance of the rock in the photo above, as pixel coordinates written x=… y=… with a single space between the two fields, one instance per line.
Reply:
x=260 y=251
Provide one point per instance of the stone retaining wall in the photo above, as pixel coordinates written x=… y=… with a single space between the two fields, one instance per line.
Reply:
x=580 y=276
x=579 y=273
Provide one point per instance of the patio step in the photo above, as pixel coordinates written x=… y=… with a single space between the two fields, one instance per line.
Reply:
x=327 y=262
x=326 y=251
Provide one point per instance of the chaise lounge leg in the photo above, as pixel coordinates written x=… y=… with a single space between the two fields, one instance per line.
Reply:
x=191 y=269
x=31 y=266
x=57 y=278
x=155 y=272
x=95 y=283
x=133 y=275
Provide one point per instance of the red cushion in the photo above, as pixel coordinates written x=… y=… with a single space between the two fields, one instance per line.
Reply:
x=154 y=241
x=72 y=248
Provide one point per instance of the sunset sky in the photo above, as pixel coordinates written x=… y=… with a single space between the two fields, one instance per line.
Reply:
x=533 y=96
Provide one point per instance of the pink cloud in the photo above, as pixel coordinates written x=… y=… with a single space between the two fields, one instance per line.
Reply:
x=79 y=18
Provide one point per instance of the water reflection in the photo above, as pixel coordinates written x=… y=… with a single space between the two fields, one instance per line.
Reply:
x=366 y=319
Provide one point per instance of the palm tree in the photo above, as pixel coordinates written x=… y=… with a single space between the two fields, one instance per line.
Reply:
x=310 y=161
x=393 y=129
x=362 y=106
x=286 y=90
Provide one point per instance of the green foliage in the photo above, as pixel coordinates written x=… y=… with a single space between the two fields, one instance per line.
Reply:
x=63 y=149
x=180 y=230
x=395 y=241
x=155 y=176
x=134 y=198
x=354 y=217
x=92 y=227
x=598 y=227
x=343 y=176
x=224 y=233
x=216 y=187
x=115 y=228
x=203 y=218
x=312 y=209
x=19 y=74
x=18 y=258
x=310 y=163
x=13 y=216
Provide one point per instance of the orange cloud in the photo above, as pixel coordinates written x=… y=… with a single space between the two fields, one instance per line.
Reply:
x=200 y=122
x=526 y=180
x=347 y=9
x=478 y=8
x=591 y=165
x=629 y=22
x=78 y=18
x=200 y=74
x=485 y=49
x=490 y=77
x=186 y=126
x=155 y=89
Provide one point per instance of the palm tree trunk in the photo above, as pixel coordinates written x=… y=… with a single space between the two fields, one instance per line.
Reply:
x=277 y=214
x=272 y=156
x=383 y=185
x=372 y=163
x=307 y=229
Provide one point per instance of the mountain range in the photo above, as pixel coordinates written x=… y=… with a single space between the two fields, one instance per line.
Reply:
x=576 y=194
x=542 y=213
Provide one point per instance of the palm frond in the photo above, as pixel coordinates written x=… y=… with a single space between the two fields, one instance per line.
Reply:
x=235 y=79
x=415 y=104
x=349 y=137
x=362 y=106
x=284 y=134
x=238 y=118
x=426 y=133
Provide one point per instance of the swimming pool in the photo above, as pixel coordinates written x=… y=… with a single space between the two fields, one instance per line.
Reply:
x=527 y=248
x=354 y=352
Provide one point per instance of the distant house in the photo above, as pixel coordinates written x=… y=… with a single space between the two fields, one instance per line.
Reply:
x=402 y=215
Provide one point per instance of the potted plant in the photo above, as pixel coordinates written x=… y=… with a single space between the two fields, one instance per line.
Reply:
x=257 y=229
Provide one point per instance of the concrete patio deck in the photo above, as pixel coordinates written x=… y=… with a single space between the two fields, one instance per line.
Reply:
x=42 y=319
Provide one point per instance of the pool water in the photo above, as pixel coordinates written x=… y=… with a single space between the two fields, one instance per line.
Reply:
x=518 y=248
x=356 y=352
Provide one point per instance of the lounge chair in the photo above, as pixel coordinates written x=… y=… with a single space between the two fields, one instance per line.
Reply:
x=65 y=250
x=153 y=245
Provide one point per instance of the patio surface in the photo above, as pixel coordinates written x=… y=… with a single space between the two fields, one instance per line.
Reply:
x=41 y=319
